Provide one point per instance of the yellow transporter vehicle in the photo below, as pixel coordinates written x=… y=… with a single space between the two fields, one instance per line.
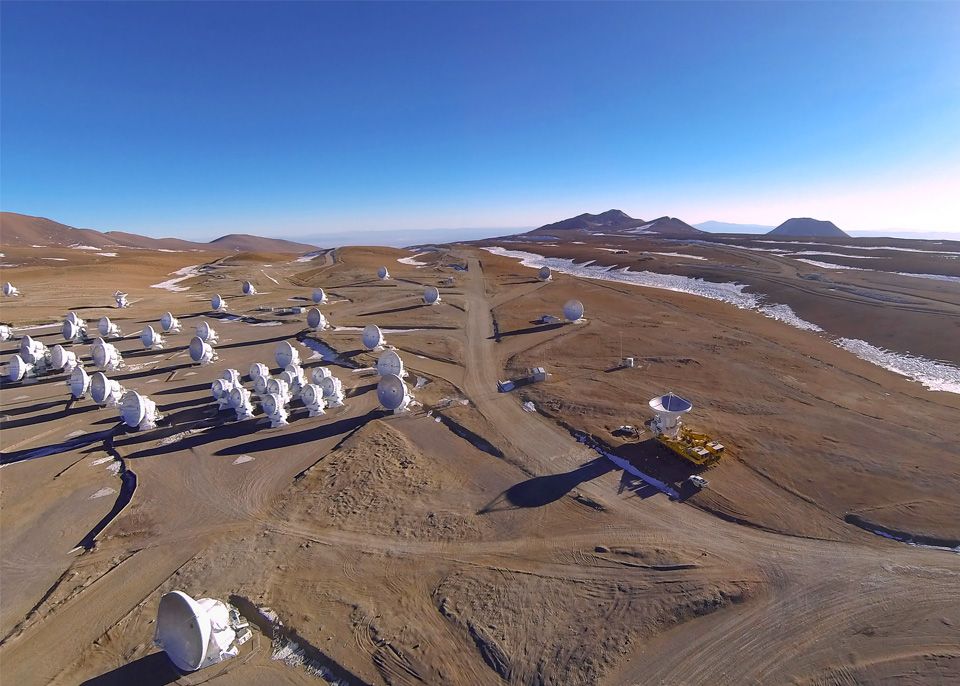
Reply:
x=692 y=446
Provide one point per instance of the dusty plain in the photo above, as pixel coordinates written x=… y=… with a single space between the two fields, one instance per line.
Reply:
x=471 y=541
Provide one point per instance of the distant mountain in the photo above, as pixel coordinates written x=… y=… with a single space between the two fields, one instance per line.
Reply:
x=24 y=230
x=727 y=227
x=618 y=222
x=808 y=227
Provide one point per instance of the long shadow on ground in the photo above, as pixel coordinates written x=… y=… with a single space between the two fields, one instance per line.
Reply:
x=543 y=490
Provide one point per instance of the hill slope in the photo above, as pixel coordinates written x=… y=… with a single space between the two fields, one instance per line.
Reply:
x=24 y=230
x=804 y=226
x=618 y=222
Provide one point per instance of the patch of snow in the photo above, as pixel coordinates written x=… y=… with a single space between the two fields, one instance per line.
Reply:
x=677 y=254
x=107 y=254
x=828 y=265
x=243 y=459
x=77 y=246
x=835 y=254
x=310 y=256
x=936 y=277
x=181 y=275
x=271 y=323
x=102 y=492
x=269 y=277
x=55 y=259
x=413 y=260
x=933 y=375
x=169 y=250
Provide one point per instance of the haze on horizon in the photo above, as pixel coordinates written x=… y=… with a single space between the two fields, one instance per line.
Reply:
x=305 y=119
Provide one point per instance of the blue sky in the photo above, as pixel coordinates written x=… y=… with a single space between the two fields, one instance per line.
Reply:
x=303 y=118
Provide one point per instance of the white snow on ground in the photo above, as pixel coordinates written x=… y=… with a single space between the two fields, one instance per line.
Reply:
x=269 y=277
x=815 y=253
x=107 y=254
x=413 y=260
x=310 y=256
x=677 y=254
x=862 y=247
x=243 y=458
x=169 y=250
x=55 y=259
x=181 y=275
x=84 y=247
x=102 y=492
x=746 y=247
x=936 y=376
x=611 y=249
x=936 y=277
x=828 y=265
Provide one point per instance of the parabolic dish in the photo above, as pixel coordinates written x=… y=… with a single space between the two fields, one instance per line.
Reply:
x=168 y=321
x=286 y=354
x=390 y=363
x=277 y=386
x=391 y=391
x=219 y=387
x=183 y=630
x=315 y=318
x=100 y=387
x=148 y=336
x=272 y=404
x=73 y=317
x=311 y=394
x=104 y=326
x=9 y=289
x=102 y=354
x=17 y=368
x=204 y=331
x=217 y=303
x=258 y=369
x=79 y=382
x=431 y=294
x=371 y=336
x=328 y=385
x=321 y=373
x=383 y=273
x=573 y=310
x=319 y=296
x=70 y=330
x=236 y=397
x=133 y=409
x=260 y=384
x=544 y=273
x=199 y=349
x=232 y=375
x=248 y=288
x=58 y=357
x=671 y=403
x=28 y=347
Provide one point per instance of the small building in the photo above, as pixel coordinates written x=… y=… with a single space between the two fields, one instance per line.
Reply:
x=538 y=374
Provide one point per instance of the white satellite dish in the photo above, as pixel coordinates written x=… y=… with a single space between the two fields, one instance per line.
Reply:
x=17 y=368
x=121 y=299
x=431 y=295
x=201 y=351
x=392 y=393
x=10 y=290
x=73 y=331
x=668 y=409
x=6 y=332
x=151 y=339
x=279 y=387
x=105 y=355
x=312 y=397
x=293 y=388
x=61 y=358
x=206 y=332
x=75 y=318
x=286 y=354
x=248 y=288
x=218 y=303
x=138 y=411
x=198 y=633
x=108 y=329
x=316 y=320
x=372 y=337
x=32 y=350
x=169 y=323
x=105 y=391
x=573 y=310
x=233 y=376
x=319 y=296
x=220 y=390
x=79 y=382
x=260 y=385
x=383 y=274
x=275 y=408
x=259 y=369
x=294 y=376
x=240 y=401
x=544 y=273
x=389 y=362
x=332 y=389
x=320 y=373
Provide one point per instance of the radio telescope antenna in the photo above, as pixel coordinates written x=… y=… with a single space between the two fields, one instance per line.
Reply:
x=431 y=295
x=392 y=393
x=32 y=350
x=389 y=362
x=206 y=333
x=104 y=391
x=151 y=339
x=286 y=354
x=573 y=310
x=372 y=337
x=668 y=409
x=74 y=331
x=138 y=411
x=319 y=296
x=279 y=387
x=121 y=299
x=63 y=359
x=10 y=290
x=248 y=288
x=316 y=320
x=18 y=368
x=544 y=274
x=108 y=329
x=320 y=373
x=383 y=274
x=275 y=408
x=220 y=390
x=233 y=376
x=6 y=332
x=198 y=633
x=259 y=369
x=105 y=355
x=169 y=323
x=312 y=397
x=218 y=304
x=332 y=389
x=297 y=380
x=201 y=351
x=240 y=402
x=79 y=383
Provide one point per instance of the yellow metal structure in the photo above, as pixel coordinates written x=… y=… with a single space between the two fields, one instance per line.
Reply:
x=694 y=447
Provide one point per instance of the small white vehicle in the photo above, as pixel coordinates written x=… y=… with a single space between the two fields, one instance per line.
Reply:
x=697 y=482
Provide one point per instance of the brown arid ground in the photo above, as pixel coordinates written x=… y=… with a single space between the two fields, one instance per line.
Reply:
x=470 y=541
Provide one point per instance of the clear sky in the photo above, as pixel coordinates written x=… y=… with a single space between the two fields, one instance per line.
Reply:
x=292 y=119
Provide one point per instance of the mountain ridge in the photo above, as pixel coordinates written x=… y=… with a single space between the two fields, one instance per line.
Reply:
x=805 y=226
x=618 y=222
